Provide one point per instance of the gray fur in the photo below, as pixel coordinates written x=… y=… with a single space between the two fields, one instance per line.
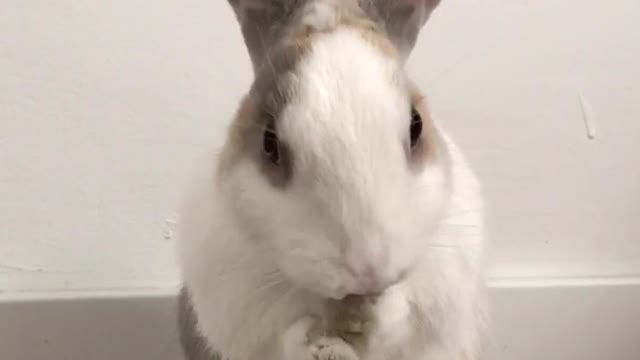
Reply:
x=194 y=345
x=402 y=19
x=264 y=22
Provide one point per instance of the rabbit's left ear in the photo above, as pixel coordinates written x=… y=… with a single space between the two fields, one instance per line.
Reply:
x=402 y=19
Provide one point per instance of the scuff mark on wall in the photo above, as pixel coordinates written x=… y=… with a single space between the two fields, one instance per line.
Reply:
x=169 y=225
x=588 y=116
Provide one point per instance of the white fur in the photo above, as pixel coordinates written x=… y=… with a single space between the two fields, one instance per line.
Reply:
x=321 y=15
x=252 y=280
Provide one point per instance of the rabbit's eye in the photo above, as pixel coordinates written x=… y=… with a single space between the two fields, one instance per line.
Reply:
x=415 y=128
x=270 y=146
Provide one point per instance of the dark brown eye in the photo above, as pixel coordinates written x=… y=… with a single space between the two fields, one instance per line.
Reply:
x=415 y=128
x=270 y=146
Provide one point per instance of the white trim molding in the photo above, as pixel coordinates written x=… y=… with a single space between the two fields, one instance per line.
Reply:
x=559 y=319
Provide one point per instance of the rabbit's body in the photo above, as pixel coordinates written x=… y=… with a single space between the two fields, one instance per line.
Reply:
x=444 y=309
x=329 y=230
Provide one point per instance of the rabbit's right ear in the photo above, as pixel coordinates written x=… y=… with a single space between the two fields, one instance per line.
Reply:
x=263 y=23
x=402 y=19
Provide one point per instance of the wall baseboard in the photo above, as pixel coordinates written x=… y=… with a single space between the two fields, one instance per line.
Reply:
x=566 y=320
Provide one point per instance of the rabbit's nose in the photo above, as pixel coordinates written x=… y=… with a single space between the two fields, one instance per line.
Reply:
x=369 y=272
x=372 y=283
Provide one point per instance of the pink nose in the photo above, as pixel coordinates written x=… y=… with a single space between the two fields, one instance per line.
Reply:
x=370 y=283
x=369 y=277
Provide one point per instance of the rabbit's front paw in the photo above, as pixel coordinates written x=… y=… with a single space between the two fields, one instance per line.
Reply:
x=303 y=341
x=331 y=348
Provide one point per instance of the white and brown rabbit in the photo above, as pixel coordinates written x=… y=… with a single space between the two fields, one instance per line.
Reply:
x=337 y=221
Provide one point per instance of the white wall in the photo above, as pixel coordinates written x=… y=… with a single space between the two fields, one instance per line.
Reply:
x=105 y=105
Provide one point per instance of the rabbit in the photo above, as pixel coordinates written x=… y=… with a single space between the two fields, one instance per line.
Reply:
x=337 y=220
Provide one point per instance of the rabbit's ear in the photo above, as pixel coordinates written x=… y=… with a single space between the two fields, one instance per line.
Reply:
x=262 y=23
x=402 y=19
